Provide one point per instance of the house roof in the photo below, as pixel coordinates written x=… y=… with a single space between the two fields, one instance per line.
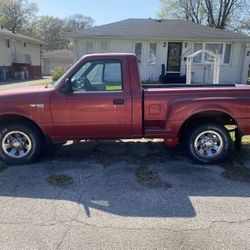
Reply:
x=173 y=29
x=9 y=34
x=58 y=54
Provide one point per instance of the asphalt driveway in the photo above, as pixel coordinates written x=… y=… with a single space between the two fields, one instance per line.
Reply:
x=125 y=195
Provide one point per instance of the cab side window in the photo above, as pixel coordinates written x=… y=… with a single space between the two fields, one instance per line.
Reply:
x=105 y=75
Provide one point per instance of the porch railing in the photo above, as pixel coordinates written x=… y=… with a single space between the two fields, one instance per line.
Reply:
x=21 y=58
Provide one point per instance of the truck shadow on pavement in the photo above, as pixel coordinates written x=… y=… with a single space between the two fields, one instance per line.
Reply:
x=132 y=179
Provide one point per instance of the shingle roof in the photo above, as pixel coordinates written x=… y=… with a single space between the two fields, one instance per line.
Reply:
x=58 y=54
x=173 y=29
x=8 y=34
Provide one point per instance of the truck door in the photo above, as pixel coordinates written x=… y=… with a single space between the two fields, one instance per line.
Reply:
x=100 y=105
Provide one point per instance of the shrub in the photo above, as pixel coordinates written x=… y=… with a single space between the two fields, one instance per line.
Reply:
x=57 y=73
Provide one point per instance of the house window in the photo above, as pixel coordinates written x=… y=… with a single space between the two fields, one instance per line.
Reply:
x=90 y=47
x=227 y=54
x=104 y=46
x=197 y=47
x=24 y=44
x=152 y=53
x=222 y=49
x=7 y=43
x=138 y=51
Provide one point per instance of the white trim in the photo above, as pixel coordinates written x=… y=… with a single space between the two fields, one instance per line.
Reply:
x=217 y=60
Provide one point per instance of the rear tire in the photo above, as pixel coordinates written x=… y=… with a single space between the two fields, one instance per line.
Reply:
x=207 y=143
x=20 y=143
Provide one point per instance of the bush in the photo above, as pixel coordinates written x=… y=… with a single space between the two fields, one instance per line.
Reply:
x=57 y=73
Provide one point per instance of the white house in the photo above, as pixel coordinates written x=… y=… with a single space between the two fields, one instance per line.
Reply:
x=20 y=56
x=56 y=58
x=162 y=47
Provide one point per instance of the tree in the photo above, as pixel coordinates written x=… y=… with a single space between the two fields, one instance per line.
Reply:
x=51 y=30
x=55 y=31
x=220 y=14
x=245 y=25
x=16 y=15
x=78 y=22
x=191 y=10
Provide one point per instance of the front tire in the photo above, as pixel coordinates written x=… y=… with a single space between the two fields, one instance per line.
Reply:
x=208 y=143
x=20 y=143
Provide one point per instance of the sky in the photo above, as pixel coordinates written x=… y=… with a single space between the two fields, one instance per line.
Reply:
x=102 y=11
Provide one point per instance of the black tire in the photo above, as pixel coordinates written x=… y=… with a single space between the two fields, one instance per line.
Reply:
x=29 y=135
x=207 y=143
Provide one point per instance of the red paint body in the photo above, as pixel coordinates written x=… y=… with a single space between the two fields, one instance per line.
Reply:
x=152 y=112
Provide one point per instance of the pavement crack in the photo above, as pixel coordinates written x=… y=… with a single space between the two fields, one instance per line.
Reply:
x=59 y=244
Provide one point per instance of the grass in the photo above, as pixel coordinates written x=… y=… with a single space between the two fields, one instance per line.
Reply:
x=40 y=83
x=113 y=87
x=60 y=180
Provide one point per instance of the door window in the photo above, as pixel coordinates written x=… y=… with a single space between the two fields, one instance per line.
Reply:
x=174 y=57
x=98 y=76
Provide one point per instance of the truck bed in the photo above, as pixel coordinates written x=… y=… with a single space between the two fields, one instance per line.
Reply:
x=167 y=107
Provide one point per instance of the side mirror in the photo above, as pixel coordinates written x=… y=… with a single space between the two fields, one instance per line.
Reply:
x=67 y=88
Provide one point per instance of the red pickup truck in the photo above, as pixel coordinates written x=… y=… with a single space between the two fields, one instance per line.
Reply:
x=101 y=97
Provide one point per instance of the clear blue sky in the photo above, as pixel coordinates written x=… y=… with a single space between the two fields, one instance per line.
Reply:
x=102 y=11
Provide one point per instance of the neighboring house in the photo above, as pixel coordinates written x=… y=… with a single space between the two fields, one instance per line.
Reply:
x=56 y=58
x=20 y=56
x=162 y=47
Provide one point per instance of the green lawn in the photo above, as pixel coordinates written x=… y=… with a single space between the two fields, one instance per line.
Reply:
x=40 y=83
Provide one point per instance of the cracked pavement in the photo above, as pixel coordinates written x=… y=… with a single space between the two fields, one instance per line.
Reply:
x=112 y=204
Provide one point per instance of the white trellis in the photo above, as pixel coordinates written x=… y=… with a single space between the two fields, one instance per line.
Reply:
x=217 y=60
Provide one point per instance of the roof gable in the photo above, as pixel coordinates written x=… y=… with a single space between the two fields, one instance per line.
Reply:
x=8 y=34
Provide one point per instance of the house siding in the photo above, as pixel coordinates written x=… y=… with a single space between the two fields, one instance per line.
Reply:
x=30 y=49
x=234 y=72
x=20 y=63
x=6 y=57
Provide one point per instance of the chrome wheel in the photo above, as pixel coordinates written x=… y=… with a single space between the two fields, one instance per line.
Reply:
x=16 y=144
x=208 y=144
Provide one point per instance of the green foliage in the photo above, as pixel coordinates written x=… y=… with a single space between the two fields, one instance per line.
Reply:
x=57 y=73
x=21 y=16
x=54 y=31
x=51 y=30
x=16 y=15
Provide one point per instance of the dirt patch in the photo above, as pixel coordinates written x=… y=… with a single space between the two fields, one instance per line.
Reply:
x=60 y=180
x=149 y=178
x=236 y=172
x=2 y=167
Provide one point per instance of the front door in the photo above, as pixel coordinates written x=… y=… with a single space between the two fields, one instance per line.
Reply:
x=174 y=57
x=100 y=105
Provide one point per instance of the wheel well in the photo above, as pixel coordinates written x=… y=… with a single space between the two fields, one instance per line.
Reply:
x=16 y=118
x=207 y=116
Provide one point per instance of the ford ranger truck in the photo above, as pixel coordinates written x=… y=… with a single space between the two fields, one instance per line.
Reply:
x=101 y=97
